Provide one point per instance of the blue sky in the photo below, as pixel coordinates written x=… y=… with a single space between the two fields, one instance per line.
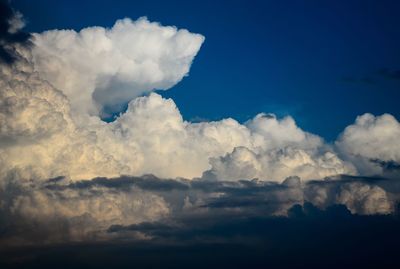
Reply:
x=323 y=62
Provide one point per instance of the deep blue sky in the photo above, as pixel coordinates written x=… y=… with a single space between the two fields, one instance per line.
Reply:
x=323 y=62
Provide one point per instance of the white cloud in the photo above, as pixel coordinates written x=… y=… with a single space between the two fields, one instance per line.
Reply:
x=100 y=68
x=369 y=138
x=49 y=126
x=45 y=133
x=283 y=150
x=39 y=139
x=42 y=140
x=282 y=133
x=276 y=165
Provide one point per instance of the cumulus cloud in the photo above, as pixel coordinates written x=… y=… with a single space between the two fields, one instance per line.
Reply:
x=39 y=139
x=102 y=69
x=369 y=139
x=43 y=95
x=150 y=137
x=282 y=150
x=53 y=142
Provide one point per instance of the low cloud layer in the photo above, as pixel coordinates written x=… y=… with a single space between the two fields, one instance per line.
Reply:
x=152 y=209
x=68 y=176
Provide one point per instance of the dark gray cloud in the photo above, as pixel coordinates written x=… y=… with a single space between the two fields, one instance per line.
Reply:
x=146 y=182
x=388 y=166
x=308 y=238
x=166 y=210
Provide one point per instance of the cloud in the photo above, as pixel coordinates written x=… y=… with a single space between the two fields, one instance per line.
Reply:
x=149 y=176
x=283 y=150
x=387 y=165
x=150 y=137
x=371 y=138
x=65 y=214
x=44 y=92
x=357 y=195
x=310 y=237
x=119 y=63
x=150 y=207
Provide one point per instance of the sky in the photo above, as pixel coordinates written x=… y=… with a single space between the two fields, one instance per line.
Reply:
x=238 y=134
x=322 y=62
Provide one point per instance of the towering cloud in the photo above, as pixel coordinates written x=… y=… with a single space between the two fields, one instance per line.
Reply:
x=53 y=142
x=150 y=137
x=103 y=69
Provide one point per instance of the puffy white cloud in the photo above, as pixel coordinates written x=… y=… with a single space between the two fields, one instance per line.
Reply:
x=42 y=140
x=52 y=98
x=152 y=131
x=30 y=108
x=39 y=139
x=282 y=133
x=282 y=150
x=101 y=69
x=371 y=138
x=44 y=132
x=278 y=164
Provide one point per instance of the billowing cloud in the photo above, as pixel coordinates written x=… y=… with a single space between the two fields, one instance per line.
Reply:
x=39 y=139
x=371 y=140
x=62 y=167
x=283 y=150
x=150 y=137
x=104 y=68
